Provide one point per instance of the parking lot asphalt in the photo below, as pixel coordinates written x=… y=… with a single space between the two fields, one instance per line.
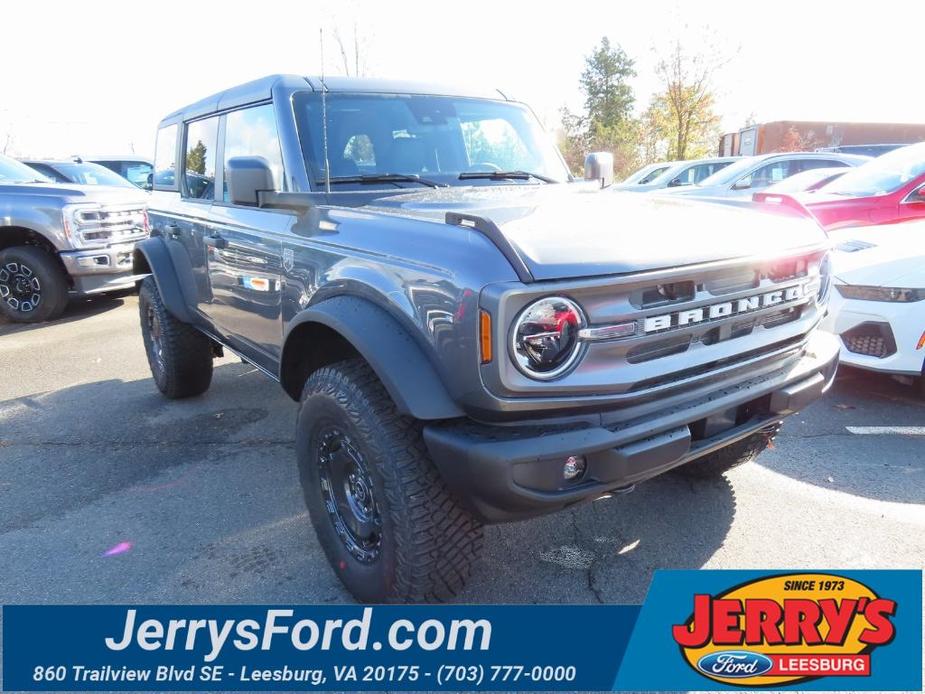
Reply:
x=109 y=492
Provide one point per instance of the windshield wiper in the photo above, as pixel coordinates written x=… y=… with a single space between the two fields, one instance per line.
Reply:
x=504 y=175
x=383 y=178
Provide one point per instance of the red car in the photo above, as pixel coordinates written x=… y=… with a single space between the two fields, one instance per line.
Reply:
x=888 y=189
x=885 y=190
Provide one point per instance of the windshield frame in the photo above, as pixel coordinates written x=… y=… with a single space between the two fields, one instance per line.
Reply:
x=535 y=141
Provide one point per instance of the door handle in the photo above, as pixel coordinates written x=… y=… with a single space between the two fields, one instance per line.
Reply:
x=216 y=241
x=173 y=231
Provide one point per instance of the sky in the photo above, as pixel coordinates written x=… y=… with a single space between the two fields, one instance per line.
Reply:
x=96 y=77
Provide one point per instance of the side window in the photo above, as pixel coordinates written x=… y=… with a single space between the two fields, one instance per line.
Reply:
x=767 y=175
x=165 y=158
x=809 y=164
x=251 y=132
x=199 y=159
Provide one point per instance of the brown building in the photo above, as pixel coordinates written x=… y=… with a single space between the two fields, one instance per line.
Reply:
x=797 y=135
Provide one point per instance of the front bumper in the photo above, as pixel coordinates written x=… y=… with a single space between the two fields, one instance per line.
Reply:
x=101 y=269
x=878 y=335
x=509 y=473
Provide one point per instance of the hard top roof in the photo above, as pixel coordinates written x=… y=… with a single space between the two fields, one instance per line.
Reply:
x=262 y=90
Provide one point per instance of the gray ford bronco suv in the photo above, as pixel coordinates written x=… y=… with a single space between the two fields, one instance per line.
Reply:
x=63 y=240
x=473 y=336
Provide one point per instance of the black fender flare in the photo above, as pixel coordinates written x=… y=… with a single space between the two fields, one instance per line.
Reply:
x=152 y=256
x=398 y=360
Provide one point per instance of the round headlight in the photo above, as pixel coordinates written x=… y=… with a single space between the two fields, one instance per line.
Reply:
x=545 y=337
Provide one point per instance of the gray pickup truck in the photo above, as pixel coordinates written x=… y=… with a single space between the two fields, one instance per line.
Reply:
x=60 y=240
x=473 y=336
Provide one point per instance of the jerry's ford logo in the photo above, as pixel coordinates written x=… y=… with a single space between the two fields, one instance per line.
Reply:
x=728 y=308
x=734 y=664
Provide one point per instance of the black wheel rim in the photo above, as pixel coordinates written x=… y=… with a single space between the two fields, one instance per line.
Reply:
x=20 y=288
x=347 y=489
x=155 y=335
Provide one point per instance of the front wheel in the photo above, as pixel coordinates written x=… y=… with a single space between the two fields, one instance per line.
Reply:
x=383 y=515
x=735 y=454
x=33 y=287
x=180 y=356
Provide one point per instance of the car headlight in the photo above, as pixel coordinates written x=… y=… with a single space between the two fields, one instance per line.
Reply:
x=544 y=338
x=92 y=226
x=893 y=294
x=825 y=279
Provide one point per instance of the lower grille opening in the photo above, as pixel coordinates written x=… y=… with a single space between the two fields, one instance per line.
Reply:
x=871 y=339
x=716 y=364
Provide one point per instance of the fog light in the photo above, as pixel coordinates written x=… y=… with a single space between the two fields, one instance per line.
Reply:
x=574 y=467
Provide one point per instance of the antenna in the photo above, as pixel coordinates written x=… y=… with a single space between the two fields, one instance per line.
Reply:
x=324 y=120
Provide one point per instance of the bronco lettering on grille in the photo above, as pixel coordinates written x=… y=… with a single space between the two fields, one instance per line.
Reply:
x=679 y=319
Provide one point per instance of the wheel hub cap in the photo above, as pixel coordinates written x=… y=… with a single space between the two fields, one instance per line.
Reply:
x=348 y=495
x=19 y=287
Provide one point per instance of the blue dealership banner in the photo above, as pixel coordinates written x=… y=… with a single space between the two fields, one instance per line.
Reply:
x=698 y=630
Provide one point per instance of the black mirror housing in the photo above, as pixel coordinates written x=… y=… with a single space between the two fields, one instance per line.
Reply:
x=246 y=178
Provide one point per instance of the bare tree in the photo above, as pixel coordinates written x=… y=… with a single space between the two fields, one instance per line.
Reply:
x=7 y=143
x=358 y=49
x=687 y=100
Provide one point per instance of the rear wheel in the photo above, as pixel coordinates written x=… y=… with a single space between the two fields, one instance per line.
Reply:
x=33 y=287
x=733 y=455
x=180 y=356
x=382 y=513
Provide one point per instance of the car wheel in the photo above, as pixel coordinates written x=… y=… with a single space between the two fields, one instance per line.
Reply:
x=733 y=455
x=180 y=356
x=33 y=287
x=382 y=513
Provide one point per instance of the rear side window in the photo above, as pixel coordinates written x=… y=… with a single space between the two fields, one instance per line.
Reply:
x=199 y=159
x=251 y=132
x=165 y=158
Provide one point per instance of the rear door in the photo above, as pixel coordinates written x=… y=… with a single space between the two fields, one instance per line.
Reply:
x=243 y=245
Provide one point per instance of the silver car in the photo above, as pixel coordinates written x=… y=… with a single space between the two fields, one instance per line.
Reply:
x=752 y=174
x=677 y=174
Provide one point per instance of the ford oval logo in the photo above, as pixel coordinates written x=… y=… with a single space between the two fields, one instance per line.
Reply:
x=734 y=664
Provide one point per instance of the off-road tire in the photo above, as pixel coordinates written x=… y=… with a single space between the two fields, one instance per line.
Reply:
x=184 y=368
x=725 y=459
x=427 y=542
x=30 y=264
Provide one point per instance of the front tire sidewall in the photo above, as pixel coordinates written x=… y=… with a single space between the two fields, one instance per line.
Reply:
x=51 y=279
x=369 y=582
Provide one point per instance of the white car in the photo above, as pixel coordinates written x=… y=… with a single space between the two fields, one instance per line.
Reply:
x=877 y=306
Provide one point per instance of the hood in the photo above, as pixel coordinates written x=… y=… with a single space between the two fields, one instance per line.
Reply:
x=578 y=230
x=892 y=255
x=71 y=192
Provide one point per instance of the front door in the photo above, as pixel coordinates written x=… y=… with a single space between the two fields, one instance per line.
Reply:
x=243 y=245
x=244 y=255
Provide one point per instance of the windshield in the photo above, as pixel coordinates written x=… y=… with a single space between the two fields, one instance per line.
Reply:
x=12 y=171
x=91 y=175
x=434 y=137
x=731 y=173
x=882 y=175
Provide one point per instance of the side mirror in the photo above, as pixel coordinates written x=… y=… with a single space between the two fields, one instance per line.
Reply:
x=246 y=176
x=599 y=167
x=674 y=183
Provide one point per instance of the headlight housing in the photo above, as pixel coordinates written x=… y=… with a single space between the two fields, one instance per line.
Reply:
x=89 y=225
x=544 y=338
x=891 y=294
